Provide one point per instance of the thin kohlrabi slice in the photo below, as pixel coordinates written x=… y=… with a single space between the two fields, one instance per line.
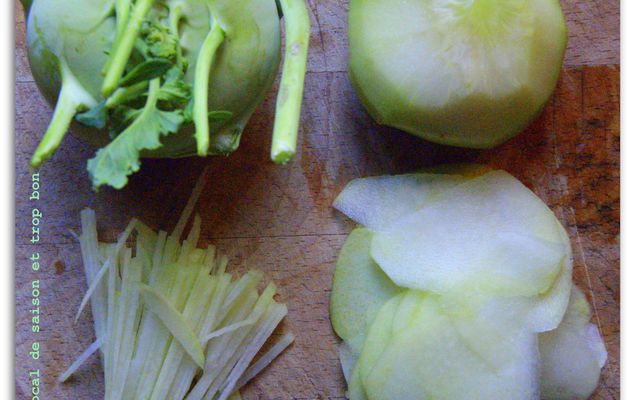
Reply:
x=185 y=375
x=572 y=355
x=359 y=289
x=490 y=234
x=376 y=341
x=548 y=309
x=348 y=358
x=196 y=305
x=127 y=325
x=225 y=351
x=91 y=263
x=289 y=101
x=378 y=201
x=433 y=358
x=228 y=329
x=264 y=360
x=175 y=322
x=93 y=348
x=275 y=313
x=94 y=285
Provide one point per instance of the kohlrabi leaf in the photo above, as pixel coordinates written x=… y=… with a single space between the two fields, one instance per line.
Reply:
x=489 y=234
x=572 y=355
x=113 y=163
x=218 y=116
x=95 y=117
x=359 y=287
x=175 y=89
x=147 y=70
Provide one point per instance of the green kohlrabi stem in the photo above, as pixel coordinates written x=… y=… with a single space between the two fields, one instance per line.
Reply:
x=123 y=94
x=200 y=87
x=121 y=53
x=289 y=102
x=72 y=98
x=174 y=17
x=123 y=7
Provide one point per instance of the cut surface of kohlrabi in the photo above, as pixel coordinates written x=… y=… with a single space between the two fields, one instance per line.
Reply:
x=360 y=287
x=466 y=73
x=435 y=355
x=378 y=201
x=490 y=234
x=375 y=202
x=376 y=340
x=572 y=355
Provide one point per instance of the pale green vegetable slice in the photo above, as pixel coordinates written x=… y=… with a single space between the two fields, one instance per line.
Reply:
x=376 y=339
x=95 y=283
x=262 y=363
x=359 y=287
x=572 y=355
x=548 y=308
x=378 y=201
x=433 y=358
x=93 y=348
x=490 y=234
x=175 y=322
x=465 y=73
x=347 y=358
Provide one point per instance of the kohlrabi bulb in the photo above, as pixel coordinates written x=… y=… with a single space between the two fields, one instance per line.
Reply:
x=470 y=73
x=169 y=78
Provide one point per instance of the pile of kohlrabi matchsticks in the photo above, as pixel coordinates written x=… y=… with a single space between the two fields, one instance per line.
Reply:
x=170 y=322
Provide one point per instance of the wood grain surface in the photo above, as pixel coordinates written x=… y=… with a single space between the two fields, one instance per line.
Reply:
x=279 y=219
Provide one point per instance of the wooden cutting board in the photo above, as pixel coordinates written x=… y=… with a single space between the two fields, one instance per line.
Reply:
x=280 y=220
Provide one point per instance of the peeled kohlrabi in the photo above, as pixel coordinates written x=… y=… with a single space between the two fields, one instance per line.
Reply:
x=469 y=73
x=167 y=78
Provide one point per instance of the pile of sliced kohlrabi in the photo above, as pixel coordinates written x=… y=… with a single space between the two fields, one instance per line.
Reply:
x=170 y=322
x=164 y=78
x=458 y=286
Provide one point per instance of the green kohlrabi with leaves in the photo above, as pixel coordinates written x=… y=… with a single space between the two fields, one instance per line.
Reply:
x=164 y=78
